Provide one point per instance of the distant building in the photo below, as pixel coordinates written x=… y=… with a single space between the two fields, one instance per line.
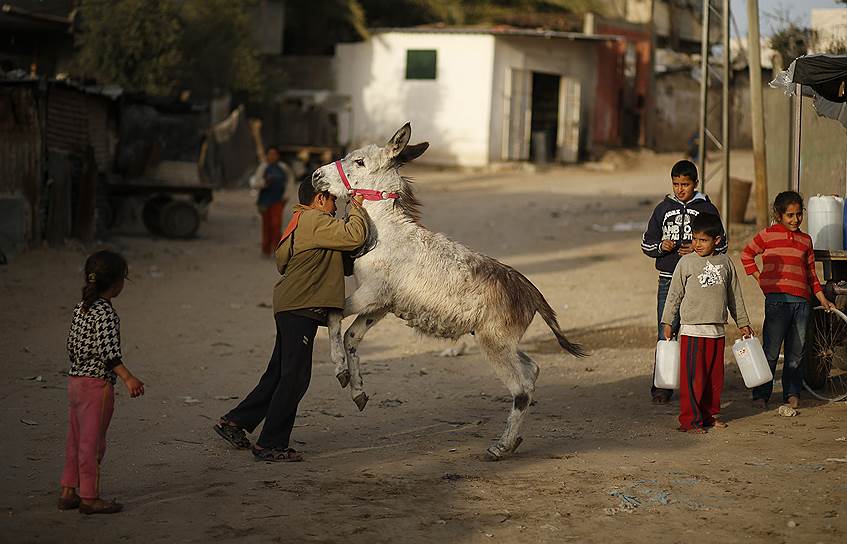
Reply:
x=480 y=95
x=677 y=22
x=830 y=25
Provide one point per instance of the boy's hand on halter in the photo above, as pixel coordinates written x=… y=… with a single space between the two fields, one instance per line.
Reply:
x=358 y=199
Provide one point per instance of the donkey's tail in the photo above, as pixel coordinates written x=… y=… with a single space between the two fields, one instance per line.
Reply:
x=549 y=315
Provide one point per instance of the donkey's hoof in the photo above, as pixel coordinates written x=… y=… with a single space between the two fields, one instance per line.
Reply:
x=361 y=401
x=343 y=378
x=495 y=452
x=498 y=450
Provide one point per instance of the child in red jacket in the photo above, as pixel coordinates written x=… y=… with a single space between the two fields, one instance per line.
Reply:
x=788 y=280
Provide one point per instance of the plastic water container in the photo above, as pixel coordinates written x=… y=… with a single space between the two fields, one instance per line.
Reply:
x=826 y=222
x=845 y=224
x=751 y=361
x=667 y=365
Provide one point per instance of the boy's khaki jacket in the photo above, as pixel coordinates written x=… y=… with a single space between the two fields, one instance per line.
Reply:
x=310 y=260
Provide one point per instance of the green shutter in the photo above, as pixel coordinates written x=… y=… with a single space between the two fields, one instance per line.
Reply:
x=420 y=64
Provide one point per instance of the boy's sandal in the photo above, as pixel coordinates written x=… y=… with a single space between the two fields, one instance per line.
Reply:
x=693 y=430
x=275 y=455
x=70 y=503
x=234 y=435
x=101 y=507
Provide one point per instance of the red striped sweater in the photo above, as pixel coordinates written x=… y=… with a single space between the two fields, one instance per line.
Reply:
x=788 y=261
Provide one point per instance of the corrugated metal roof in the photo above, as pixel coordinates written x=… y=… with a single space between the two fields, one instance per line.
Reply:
x=76 y=120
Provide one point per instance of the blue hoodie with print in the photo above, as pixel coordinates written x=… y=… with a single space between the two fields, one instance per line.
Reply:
x=671 y=220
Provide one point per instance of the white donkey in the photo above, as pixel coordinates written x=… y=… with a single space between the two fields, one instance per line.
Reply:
x=439 y=287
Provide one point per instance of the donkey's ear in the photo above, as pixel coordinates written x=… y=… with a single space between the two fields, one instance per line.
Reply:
x=411 y=153
x=399 y=141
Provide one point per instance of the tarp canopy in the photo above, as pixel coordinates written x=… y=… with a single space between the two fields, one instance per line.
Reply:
x=826 y=76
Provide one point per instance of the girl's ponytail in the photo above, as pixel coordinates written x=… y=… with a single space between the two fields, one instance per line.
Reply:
x=102 y=270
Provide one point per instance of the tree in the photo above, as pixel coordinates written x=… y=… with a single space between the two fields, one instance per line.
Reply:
x=791 y=42
x=314 y=27
x=164 y=46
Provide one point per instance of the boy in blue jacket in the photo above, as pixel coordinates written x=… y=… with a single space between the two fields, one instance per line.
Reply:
x=668 y=238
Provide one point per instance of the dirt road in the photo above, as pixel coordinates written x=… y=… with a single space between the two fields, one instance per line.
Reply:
x=599 y=462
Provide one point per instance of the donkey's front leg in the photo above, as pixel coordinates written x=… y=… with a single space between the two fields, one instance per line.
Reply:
x=336 y=347
x=352 y=338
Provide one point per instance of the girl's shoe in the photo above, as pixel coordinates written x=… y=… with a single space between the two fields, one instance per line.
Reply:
x=100 y=507
x=69 y=503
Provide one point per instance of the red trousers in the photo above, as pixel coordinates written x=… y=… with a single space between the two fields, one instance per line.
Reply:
x=272 y=226
x=91 y=402
x=700 y=380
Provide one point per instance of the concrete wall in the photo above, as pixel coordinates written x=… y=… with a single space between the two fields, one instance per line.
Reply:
x=574 y=59
x=672 y=19
x=20 y=166
x=452 y=112
x=831 y=26
x=678 y=110
x=823 y=159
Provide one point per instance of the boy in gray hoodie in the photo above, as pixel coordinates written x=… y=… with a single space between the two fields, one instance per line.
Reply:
x=704 y=286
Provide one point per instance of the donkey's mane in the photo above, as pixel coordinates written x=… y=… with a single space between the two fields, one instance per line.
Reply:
x=408 y=202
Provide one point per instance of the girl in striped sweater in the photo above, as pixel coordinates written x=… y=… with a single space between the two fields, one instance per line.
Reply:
x=789 y=281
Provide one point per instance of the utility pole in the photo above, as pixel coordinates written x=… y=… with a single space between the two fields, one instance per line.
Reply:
x=716 y=14
x=649 y=109
x=760 y=162
x=725 y=106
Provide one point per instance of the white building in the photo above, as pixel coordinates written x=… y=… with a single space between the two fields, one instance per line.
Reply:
x=830 y=26
x=475 y=95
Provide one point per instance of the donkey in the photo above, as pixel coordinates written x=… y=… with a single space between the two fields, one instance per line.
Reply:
x=437 y=286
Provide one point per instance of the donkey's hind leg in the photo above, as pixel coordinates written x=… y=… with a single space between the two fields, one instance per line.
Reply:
x=519 y=378
x=355 y=332
x=529 y=371
x=336 y=347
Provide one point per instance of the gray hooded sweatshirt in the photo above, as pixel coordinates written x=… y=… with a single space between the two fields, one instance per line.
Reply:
x=701 y=291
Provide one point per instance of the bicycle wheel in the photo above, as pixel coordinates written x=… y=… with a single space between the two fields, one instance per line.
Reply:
x=825 y=372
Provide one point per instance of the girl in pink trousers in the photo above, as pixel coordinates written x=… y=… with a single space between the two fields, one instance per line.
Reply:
x=94 y=348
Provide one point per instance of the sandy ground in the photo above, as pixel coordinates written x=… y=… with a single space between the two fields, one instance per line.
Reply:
x=598 y=462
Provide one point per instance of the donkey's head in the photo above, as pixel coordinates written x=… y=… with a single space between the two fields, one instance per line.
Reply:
x=371 y=167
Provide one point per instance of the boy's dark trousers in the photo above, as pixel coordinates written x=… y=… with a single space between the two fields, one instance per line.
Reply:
x=276 y=396
x=661 y=297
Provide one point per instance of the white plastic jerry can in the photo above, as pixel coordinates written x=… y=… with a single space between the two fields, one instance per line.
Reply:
x=826 y=221
x=666 y=375
x=751 y=361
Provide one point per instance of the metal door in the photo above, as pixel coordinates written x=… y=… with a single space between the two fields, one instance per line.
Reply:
x=569 y=109
x=518 y=108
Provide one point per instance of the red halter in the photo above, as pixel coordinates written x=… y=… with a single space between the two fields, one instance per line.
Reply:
x=369 y=194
